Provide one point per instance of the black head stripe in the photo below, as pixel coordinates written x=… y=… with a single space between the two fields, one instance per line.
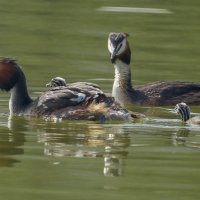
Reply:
x=116 y=39
x=184 y=111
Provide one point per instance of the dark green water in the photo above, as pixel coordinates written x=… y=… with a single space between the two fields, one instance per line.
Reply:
x=157 y=158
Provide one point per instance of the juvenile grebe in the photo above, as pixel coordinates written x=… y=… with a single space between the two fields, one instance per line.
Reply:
x=157 y=93
x=56 y=82
x=77 y=101
x=184 y=110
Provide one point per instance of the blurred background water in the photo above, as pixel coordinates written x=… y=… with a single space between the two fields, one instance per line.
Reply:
x=155 y=158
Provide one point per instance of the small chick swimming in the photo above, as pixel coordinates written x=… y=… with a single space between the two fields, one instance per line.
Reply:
x=184 y=110
x=76 y=101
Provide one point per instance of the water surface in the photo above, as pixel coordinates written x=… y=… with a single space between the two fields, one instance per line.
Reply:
x=154 y=158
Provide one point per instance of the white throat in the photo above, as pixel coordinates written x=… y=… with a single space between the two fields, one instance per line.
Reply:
x=19 y=103
x=122 y=80
x=122 y=71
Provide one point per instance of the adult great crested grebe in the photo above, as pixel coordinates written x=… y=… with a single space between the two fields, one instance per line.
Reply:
x=184 y=110
x=157 y=93
x=77 y=101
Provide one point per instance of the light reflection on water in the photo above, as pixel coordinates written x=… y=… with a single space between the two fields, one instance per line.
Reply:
x=155 y=158
x=92 y=140
x=123 y=150
x=81 y=141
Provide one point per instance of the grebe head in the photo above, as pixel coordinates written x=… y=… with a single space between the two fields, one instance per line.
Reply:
x=9 y=73
x=117 y=46
x=184 y=110
x=56 y=82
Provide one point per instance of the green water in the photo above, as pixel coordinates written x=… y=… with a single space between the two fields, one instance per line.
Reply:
x=157 y=158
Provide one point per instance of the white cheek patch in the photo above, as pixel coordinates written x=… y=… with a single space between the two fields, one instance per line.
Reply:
x=110 y=47
x=122 y=48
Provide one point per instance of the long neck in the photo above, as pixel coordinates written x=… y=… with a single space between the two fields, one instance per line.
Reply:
x=122 y=83
x=185 y=114
x=122 y=74
x=20 y=99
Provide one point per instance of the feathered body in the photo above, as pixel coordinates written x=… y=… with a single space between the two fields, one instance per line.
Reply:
x=77 y=101
x=159 y=93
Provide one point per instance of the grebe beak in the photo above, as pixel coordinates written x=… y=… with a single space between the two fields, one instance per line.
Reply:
x=115 y=51
x=48 y=84
x=113 y=57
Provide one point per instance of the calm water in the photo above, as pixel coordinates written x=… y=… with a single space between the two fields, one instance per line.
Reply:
x=154 y=158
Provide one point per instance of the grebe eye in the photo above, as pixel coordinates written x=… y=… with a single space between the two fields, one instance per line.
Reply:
x=120 y=39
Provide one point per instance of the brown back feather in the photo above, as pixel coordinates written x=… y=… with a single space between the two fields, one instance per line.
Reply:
x=9 y=73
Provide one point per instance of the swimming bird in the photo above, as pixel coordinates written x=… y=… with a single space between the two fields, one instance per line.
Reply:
x=158 y=93
x=56 y=82
x=60 y=82
x=76 y=101
x=184 y=110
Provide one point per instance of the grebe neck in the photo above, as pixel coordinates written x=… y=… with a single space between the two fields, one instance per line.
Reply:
x=122 y=74
x=122 y=82
x=20 y=101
